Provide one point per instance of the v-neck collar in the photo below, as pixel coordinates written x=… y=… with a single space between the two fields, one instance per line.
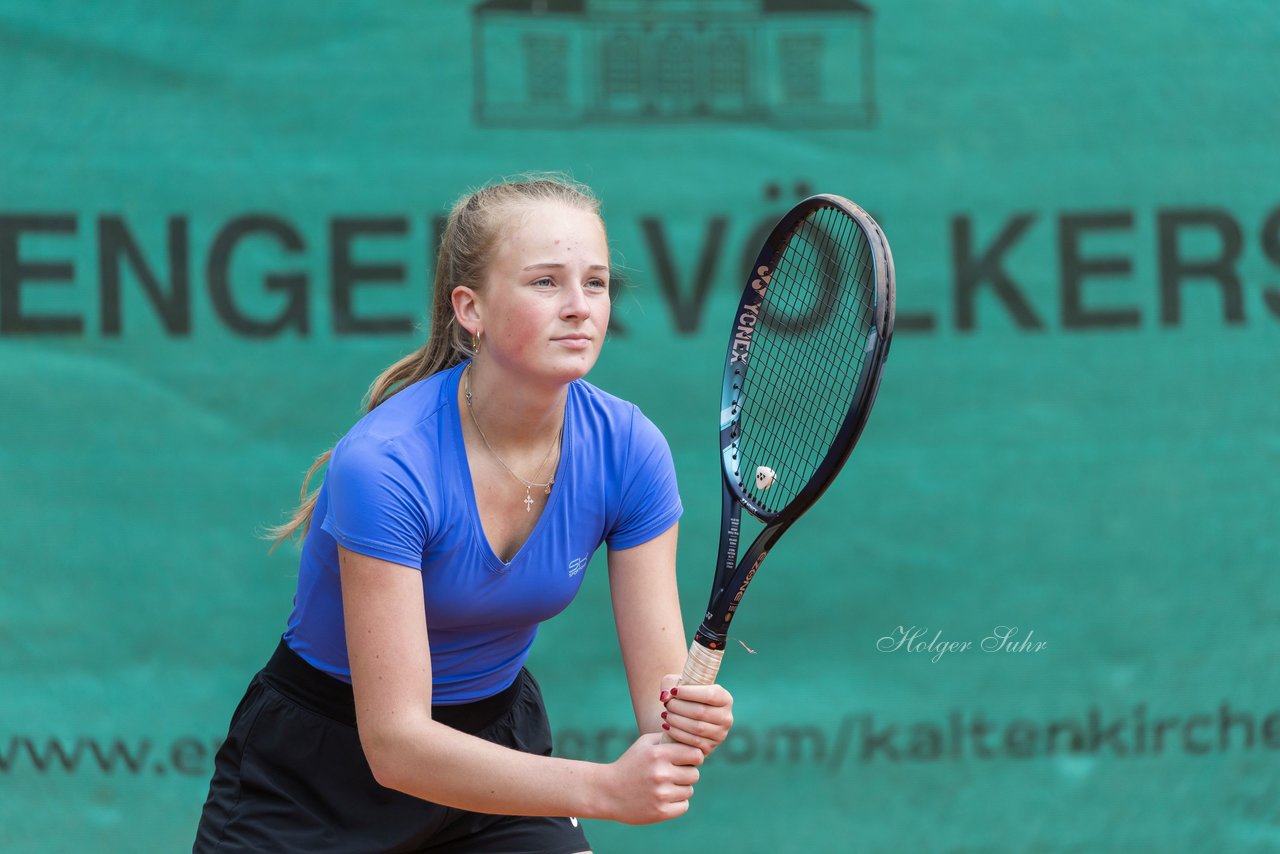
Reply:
x=492 y=560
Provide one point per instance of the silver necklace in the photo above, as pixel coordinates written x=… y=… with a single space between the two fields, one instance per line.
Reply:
x=528 y=484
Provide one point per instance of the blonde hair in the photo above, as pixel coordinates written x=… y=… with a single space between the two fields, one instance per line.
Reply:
x=470 y=234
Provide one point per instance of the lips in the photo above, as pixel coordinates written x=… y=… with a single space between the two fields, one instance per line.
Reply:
x=575 y=341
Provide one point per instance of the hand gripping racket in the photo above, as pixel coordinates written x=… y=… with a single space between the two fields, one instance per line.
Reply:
x=809 y=341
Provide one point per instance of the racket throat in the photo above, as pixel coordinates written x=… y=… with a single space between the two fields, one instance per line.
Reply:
x=714 y=631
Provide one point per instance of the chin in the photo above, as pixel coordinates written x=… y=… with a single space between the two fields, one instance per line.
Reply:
x=568 y=370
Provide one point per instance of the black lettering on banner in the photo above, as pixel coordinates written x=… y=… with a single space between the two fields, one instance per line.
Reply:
x=1271 y=730
x=1227 y=720
x=1162 y=725
x=755 y=239
x=827 y=283
x=606 y=738
x=1271 y=248
x=739 y=747
x=1020 y=739
x=908 y=321
x=1111 y=735
x=914 y=321
x=107 y=760
x=1174 y=269
x=955 y=727
x=438 y=224
x=347 y=274
x=978 y=729
x=873 y=742
x=53 y=751
x=571 y=743
x=686 y=312
x=1075 y=269
x=294 y=285
x=14 y=273
x=618 y=283
x=1075 y=736
x=926 y=742
x=971 y=274
x=795 y=738
x=187 y=756
x=1196 y=747
x=115 y=245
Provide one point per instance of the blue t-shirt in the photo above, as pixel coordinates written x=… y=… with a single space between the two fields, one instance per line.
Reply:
x=398 y=487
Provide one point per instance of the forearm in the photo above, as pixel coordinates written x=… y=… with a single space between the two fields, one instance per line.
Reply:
x=658 y=657
x=434 y=762
x=646 y=607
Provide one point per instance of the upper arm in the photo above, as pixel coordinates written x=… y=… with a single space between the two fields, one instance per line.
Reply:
x=386 y=629
x=648 y=501
x=379 y=499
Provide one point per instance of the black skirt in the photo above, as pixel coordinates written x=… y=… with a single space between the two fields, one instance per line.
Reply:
x=292 y=776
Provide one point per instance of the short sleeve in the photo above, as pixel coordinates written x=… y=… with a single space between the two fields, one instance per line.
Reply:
x=650 y=499
x=377 y=503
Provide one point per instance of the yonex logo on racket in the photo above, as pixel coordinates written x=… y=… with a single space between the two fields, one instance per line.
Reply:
x=749 y=316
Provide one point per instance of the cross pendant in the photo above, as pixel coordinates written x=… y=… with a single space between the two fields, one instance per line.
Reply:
x=528 y=502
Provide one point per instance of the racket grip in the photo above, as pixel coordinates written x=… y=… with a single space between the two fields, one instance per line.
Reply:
x=700 y=668
x=702 y=665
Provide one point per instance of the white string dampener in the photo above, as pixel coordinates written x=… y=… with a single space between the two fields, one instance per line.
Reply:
x=765 y=477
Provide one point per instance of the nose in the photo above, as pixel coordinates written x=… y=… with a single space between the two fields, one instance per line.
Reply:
x=576 y=306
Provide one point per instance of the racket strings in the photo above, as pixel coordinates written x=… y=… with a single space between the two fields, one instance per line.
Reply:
x=807 y=355
x=792 y=373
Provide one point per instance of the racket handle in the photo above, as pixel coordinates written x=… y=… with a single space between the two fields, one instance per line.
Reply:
x=700 y=668
x=702 y=665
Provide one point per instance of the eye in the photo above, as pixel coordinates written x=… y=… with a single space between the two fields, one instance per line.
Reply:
x=598 y=285
x=544 y=282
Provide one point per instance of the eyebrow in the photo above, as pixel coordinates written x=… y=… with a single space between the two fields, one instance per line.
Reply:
x=550 y=266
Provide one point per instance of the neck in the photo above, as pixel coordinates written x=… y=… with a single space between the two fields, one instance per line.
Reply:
x=516 y=416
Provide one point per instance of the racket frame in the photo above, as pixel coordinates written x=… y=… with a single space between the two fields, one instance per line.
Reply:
x=732 y=574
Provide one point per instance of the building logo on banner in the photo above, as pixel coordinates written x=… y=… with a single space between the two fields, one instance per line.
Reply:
x=798 y=62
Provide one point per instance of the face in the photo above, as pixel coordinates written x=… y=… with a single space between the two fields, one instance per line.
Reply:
x=544 y=307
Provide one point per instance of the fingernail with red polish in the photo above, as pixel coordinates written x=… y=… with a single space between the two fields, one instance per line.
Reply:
x=673 y=691
x=664 y=716
x=666 y=726
x=665 y=694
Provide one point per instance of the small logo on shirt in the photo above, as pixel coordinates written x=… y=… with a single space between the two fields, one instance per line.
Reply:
x=578 y=564
x=573 y=820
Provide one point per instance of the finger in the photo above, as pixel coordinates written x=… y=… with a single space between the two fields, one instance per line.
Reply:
x=676 y=794
x=702 y=720
x=670 y=681
x=693 y=726
x=676 y=809
x=704 y=746
x=679 y=753
x=685 y=775
x=707 y=695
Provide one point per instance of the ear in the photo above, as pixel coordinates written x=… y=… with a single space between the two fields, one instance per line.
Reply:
x=466 y=306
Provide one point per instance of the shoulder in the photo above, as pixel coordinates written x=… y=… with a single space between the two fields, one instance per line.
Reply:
x=408 y=412
x=614 y=424
x=405 y=427
x=585 y=394
x=641 y=495
x=612 y=419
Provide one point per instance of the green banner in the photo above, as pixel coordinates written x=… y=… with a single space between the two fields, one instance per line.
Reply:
x=1037 y=612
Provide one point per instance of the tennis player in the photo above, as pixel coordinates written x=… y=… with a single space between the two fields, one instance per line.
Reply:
x=456 y=516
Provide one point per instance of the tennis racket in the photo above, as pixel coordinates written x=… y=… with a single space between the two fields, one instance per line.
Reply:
x=808 y=345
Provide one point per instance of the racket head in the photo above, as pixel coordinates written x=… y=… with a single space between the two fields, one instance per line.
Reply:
x=803 y=366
